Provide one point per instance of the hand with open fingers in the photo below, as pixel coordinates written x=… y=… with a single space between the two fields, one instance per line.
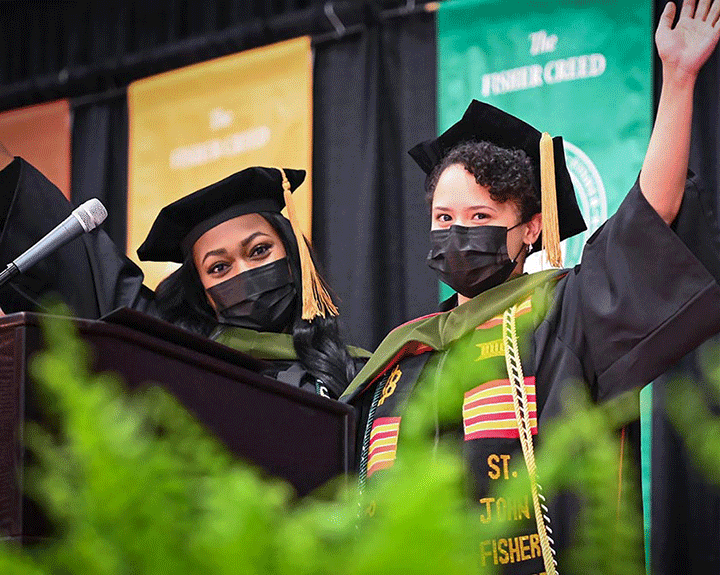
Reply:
x=686 y=47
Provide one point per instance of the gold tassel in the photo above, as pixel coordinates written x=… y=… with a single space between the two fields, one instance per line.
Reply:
x=315 y=298
x=548 y=198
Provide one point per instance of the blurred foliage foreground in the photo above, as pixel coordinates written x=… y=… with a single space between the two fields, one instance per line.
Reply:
x=135 y=485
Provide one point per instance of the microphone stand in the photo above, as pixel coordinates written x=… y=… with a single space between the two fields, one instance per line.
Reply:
x=8 y=273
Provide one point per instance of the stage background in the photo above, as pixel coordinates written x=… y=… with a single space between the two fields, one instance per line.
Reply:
x=579 y=70
x=41 y=134
x=191 y=127
x=374 y=95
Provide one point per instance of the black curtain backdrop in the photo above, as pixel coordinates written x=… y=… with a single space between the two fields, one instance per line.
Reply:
x=99 y=158
x=685 y=508
x=374 y=97
x=685 y=532
x=706 y=123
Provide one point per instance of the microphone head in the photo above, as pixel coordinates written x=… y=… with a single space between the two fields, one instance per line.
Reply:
x=90 y=214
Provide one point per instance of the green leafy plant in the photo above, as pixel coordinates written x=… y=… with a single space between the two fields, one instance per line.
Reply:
x=135 y=485
x=688 y=406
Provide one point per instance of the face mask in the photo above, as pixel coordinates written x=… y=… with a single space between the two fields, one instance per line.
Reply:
x=471 y=260
x=262 y=298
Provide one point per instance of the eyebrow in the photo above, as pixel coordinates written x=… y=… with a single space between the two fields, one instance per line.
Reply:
x=220 y=252
x=251 y=237
x=243 y=243
x=478 y=207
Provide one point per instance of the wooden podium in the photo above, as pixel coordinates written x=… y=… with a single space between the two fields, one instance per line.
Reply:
x=291 y=434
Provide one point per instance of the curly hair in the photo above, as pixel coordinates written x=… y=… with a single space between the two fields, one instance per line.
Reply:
x=508 y=174
x=181 y=299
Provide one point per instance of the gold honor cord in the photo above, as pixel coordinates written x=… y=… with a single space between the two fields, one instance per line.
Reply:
x=522 y=418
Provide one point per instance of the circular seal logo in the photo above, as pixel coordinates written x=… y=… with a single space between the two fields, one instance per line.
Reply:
x=590 y=191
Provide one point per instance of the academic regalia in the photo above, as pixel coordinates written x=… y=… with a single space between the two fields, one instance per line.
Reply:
x=93 y=277
x=641 y=299
x=89 y=274
x=278 y=350
x=684 y=502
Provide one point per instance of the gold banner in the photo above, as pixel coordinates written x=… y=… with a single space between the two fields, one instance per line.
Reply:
x=196 y=125
x=41 y=135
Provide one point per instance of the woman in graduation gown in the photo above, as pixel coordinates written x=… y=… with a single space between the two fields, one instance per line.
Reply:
x=509 y=344
x=247 y=278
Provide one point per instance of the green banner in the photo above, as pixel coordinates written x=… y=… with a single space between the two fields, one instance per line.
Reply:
x=581 y=70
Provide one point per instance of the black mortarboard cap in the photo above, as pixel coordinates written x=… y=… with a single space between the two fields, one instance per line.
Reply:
x=180 y=224
x=483 y=122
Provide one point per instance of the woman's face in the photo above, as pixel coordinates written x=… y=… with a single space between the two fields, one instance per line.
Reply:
x=460 y=200
x=235 y=246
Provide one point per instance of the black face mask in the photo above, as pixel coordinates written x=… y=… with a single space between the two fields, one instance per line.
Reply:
x=262 y=298
x=471 y=260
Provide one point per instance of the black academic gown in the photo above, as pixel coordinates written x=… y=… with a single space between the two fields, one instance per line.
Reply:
x=90 y=274
x=93 y=277
x=643 y=297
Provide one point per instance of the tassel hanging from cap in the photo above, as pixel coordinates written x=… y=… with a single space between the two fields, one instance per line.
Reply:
x=316 y=301
x=548 y=199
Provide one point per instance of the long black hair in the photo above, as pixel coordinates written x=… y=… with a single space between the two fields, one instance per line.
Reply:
x=181 y=299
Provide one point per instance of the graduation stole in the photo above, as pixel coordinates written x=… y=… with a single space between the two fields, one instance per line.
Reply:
x=264 y=344
x=270 y=346
x=474 y=370
x=479 y=363
x=437 y=332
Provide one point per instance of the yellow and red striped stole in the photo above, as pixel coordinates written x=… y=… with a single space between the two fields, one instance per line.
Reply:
x=383 y=443
x=488 y=410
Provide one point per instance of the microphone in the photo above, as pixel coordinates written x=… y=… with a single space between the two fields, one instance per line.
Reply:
x=84 y=218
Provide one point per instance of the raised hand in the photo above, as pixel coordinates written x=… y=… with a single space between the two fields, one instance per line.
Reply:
x=686 y=47
x=683 y=51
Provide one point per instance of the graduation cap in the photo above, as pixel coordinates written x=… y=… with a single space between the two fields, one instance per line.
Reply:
x=180 y=224
x=482 y=122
